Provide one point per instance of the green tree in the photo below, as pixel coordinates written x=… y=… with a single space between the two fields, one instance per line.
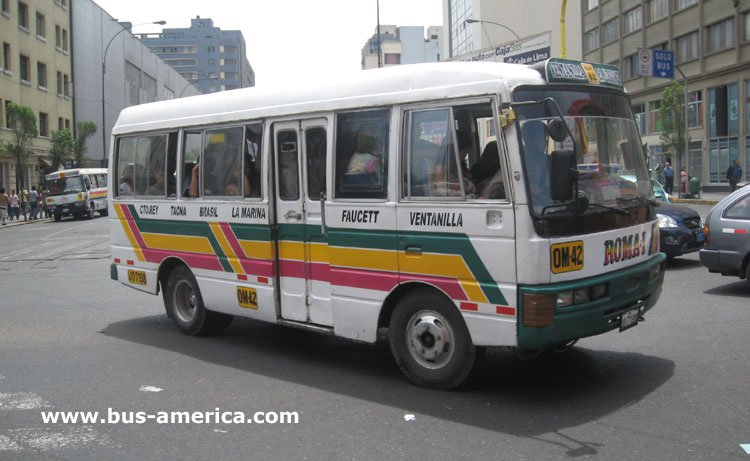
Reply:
x=672 y=107
x=62 y=148
x=22 y=122
x=86 y=129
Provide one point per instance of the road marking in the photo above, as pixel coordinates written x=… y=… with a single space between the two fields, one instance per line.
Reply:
x=21 y=401
x=150 y=389
x=68 y=229
x=46 y=439
x=410 y=418
x=746 y=447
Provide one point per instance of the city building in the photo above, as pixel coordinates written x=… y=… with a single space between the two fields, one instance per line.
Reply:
x=113 y=70
x=507 y=31
x=211 y=58
x=35 y=71
x=402 y=45
x=711 y=45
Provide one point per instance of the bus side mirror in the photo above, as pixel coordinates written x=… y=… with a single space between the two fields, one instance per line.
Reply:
x=557 y=130
x=562 y=174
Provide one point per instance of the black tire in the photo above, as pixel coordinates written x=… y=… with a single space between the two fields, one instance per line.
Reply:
x=91 y=212
x=430 y=341
x=58 y=217
x=184 y=304
x=103 y=212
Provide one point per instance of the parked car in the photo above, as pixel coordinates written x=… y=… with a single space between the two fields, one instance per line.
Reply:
x=680 y=230
x=727 y=229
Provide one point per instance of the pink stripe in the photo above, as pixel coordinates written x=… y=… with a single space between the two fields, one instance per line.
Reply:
x=450 y=286
x=320 y=271
x=260 y=267
x=291 y=268
x=370 y=280
x=131 y=223
x=200 y=261
x=232 y=239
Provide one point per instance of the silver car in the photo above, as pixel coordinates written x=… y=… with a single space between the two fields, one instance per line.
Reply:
x=727 y=229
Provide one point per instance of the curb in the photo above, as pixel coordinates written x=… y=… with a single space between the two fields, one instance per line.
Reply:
x=693 y=201
x=22 y=223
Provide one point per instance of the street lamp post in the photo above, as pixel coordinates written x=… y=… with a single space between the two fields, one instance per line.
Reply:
x=104 y=71
x=483 y=21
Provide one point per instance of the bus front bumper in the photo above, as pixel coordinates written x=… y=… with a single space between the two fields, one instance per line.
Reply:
x=636 y=287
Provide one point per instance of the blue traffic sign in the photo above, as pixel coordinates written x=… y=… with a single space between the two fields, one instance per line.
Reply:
x=663 y=63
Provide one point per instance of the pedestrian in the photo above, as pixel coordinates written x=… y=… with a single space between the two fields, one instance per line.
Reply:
x=683 y=180
x=24 y=203
x=40 y=203
x=734 y=174
x=15 y=206
x=33 y=203
x=668 y=176
x=4 y=201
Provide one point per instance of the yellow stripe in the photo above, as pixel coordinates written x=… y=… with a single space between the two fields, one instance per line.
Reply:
x=292 y=250
x=258 y=250
x=378 y=260
x=226 y=247
x=178 y=243
x=452 y=266
x=128 y=232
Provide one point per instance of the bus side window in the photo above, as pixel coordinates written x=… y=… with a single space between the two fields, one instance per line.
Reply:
x=125 y=172
x=315 y=146
x=221 y=163
x=362 y=154
x=87 y=182
x=172 y=165
x=252 y=160
x=288 y=153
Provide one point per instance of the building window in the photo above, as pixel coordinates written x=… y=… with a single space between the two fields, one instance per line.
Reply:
x=65 y=40
x=67 y=123
x=60 y=124
x=682 y=4
x=657 y=9
x=43 y=125
x=58 y=37
x=149 y=88
x=723 y=109
x=632 y=20
x=639 y=111
x=6 y=7
x=592 y=4
x=687 y=47
x=747 y=25
x=654 y=117
x=720 y=36
x=25 y=68
x=591 y=40
x=695 y=109
x=41 y=26
x=630 y=66
x=41 y=75
x=6 y=56
x=133 y=84
x=66 y=85
x=23 y=15
x=611 y=31
x=59 y=83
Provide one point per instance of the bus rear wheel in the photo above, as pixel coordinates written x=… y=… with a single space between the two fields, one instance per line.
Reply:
x=185 y=307
x=430 y=341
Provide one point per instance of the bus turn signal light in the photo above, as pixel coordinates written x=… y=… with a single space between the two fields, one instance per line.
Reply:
x=537 y=310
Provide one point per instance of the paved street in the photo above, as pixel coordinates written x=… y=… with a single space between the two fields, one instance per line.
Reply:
x=675 y=387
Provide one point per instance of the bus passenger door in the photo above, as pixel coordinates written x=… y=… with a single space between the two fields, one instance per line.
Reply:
x=302 y=250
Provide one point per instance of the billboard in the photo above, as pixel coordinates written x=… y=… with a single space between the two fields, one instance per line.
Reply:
x=523 y=51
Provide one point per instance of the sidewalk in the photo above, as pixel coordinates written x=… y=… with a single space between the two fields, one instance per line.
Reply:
x=705 y=198
x=21 y=222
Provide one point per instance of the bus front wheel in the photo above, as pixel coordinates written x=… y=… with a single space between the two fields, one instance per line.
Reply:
x=430 y=341
x=185 y=306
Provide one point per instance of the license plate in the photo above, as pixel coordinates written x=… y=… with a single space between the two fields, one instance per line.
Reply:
x=136 y=277
x=699 y=236
x=629 y=319
x=566 y=256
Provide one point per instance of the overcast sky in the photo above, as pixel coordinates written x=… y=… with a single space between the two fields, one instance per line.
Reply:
x=287 y=40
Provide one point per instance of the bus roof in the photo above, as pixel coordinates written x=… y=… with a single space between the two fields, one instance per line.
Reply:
x=75 y=172
x=370 y=88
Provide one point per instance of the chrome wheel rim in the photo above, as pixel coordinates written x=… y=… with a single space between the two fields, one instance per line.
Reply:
x=430 y=339
x=185 y=301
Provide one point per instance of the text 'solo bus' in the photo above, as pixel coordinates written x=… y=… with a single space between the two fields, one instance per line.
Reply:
x=441 y=201
x=77 y=192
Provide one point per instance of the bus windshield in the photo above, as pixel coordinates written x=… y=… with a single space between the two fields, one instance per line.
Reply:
x=68 y=185
x=612 y=173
